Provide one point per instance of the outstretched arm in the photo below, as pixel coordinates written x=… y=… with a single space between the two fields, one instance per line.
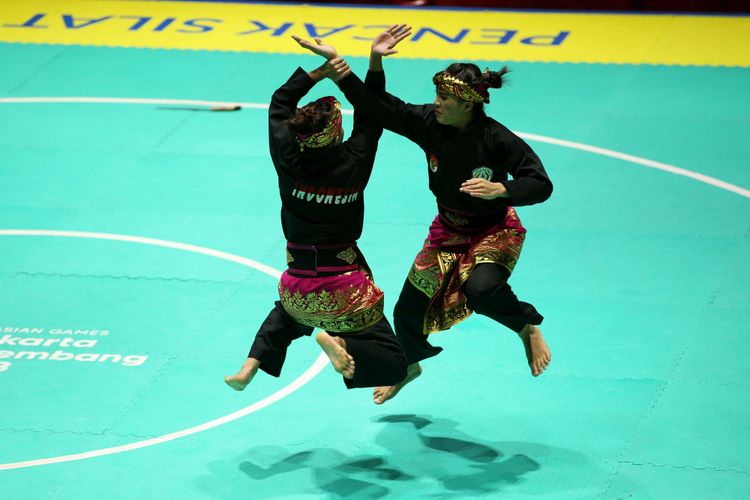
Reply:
x=286 y=98
x=320 y=48
x=366 y=131
x=389 y=111
x=384 y=44
x=383 y=108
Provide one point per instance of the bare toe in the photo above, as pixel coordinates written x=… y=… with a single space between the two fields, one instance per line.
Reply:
x=335 y=349
x=537 y=351
x=383 y=394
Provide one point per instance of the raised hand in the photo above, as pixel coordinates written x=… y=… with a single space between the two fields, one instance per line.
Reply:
x=327 y=51
x=336 y=69
x=384 y=42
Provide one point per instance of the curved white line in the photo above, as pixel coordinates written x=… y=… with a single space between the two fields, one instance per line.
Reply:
x=311 y=372
x=147 y=241
x=322 y=360
x=640 y=161
x=534 y=137
x=308 y=375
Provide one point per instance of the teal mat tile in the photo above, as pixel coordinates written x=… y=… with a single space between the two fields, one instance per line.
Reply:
x=190 y=391
x=84 y=399
x=18 y=252
x=653 y=482
x=680 y=139
x=140 y=324
x=54 y=178
x=193 y=184
x=197 y=371
x=239 y=318
x=223 y=135
x=649 y=100
x=734 y=284
x=587 y=338
x=711 y=353
x=27 y=62
x=695 y=425
x=546 y=410
x=658 y=206
x=256 y=236
x=31 y=217
x=30 y=255
x=628 y=268
x=123 y=128
x=48 y=446
x=638 y=272
x=34 y=483
x=132 y=73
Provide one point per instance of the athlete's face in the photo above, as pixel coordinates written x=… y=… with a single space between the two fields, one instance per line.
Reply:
x=451 y=111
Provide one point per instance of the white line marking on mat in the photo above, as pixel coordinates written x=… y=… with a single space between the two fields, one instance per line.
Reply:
x=308 y=375
x=534 y=137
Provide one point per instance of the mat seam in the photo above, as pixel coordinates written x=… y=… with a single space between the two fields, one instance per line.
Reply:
x=209 y=317
x=691 y=467
x=76 y=433
x=654 y=401
x=660 y=392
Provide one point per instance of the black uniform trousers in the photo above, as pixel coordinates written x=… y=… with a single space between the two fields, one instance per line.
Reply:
x=487 y=292
x=378 y=357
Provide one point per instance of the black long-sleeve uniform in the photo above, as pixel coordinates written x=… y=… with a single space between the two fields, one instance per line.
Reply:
x=486 y=149
x=322 y=204
x=321 y=189
x=454 y=155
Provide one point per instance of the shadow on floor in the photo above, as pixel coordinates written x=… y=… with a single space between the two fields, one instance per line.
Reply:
x=460 y=463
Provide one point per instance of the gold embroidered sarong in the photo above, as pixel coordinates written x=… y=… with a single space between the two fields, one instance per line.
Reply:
x=447 y=260
x=341 y=303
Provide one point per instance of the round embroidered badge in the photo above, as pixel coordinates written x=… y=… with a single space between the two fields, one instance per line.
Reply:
x=482 y=173
x=433 y=163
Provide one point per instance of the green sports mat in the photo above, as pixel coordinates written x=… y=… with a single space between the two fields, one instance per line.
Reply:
x=140 y=245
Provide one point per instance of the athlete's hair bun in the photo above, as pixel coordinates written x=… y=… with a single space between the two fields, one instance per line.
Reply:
x=495 y=79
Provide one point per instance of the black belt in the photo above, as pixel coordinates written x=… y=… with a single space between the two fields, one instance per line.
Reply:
x=468 y=223
x=322 y=260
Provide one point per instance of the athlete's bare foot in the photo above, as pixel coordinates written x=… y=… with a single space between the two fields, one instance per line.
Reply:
x=239 y=380
x=335 y=348
x=382 y=394
x=537 y=350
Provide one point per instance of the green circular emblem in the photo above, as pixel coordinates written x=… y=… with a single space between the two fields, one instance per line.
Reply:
x=482 y=173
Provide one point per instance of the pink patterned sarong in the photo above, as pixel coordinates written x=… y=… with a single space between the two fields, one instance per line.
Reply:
x=340 y=303
x=447 y=259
